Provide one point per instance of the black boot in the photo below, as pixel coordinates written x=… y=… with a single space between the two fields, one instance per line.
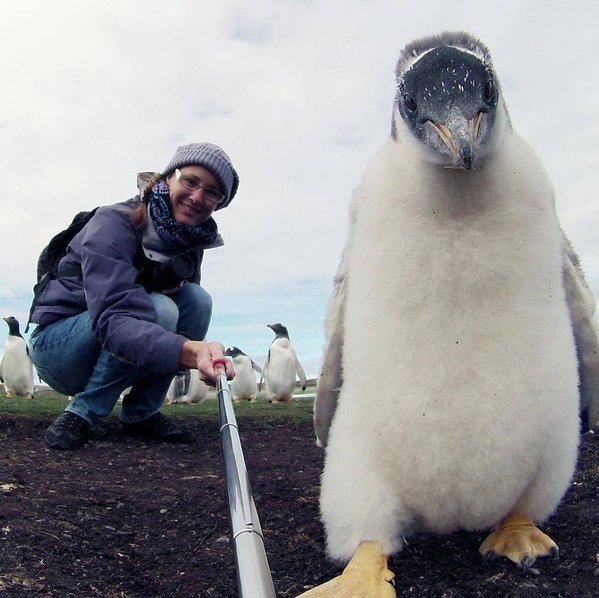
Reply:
x=68 y=432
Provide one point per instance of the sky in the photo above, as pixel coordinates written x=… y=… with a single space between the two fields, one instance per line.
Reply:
x=298 y=93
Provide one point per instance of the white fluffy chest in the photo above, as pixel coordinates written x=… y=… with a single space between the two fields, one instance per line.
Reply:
x=15 y=352
x=455 y=304
x=451 y=255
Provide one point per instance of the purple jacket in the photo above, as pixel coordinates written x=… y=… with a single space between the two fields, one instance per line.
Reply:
x=106 y=254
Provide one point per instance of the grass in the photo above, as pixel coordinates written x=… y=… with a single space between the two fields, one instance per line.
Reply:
x=47 y=404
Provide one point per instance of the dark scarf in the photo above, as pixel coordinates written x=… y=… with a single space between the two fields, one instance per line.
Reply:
x=177 y=237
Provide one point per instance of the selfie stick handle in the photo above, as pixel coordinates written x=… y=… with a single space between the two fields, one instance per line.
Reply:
x=253 y=572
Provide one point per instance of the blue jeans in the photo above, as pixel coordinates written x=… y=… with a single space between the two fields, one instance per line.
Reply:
x=69 y=357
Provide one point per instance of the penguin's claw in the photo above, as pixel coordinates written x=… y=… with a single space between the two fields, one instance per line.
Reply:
x=526 y=563
x=366 y=576
x=519 y=540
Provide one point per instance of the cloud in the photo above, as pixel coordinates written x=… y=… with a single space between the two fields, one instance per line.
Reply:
x=298 y=93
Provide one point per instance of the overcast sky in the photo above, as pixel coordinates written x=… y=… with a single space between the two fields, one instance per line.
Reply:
x=298 y=93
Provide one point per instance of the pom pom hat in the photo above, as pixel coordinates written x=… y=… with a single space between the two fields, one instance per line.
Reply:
x=213 y=158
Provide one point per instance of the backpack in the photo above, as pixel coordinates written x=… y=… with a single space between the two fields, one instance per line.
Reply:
x=56 y=249
x=53 y=252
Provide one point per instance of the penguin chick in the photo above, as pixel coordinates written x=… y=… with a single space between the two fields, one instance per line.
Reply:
x=451 y=290
x=281 y=367
x=243 y=386
x=16 y=369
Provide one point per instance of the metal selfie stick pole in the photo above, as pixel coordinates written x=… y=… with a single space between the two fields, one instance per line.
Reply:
x=253 y=572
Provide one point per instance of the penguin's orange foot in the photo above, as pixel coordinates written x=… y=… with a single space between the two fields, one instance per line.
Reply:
x=10 y=393
x=520 y=540
x=366 y=576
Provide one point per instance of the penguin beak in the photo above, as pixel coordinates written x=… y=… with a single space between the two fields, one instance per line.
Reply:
x=459 y=136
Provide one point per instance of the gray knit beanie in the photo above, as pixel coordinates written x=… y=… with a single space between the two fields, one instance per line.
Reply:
x=213 y=158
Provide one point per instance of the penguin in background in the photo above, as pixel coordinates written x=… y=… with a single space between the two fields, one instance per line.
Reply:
x=176 y=389
x=456 y=289
x=16 y=369
x=243 y=386
x=187 y=388
x=281 y=367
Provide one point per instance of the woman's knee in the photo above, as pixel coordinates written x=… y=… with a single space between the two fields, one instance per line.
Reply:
x=195 y=308
x=198 y=297
x=167 y=312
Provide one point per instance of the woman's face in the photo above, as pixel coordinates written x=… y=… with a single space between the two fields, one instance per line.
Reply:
x=194 y=194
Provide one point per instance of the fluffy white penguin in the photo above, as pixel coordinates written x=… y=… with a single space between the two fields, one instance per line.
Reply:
x=187 y=388
x=244 y=386
x=281 y=367
x=451 y=294
x=16 y=369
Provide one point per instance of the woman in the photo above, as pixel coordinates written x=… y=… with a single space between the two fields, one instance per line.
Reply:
x=126 y=308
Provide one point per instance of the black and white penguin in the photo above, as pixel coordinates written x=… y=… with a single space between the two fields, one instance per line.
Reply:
x=244 y=386
x=16 y=369
x=187 y=388
x=450 y=294
x=281 y=367
x=175 y=390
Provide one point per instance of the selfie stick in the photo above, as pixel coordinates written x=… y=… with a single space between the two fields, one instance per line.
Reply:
x=253 y=572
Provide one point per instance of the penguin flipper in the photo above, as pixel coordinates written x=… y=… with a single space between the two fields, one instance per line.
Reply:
x=299 y=368
x=330 y=377
x=2 y=370
x=582 y=308
x=256 y=367
x=263 y=373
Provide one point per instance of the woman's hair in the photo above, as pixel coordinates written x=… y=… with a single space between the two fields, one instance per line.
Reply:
x=139 y=215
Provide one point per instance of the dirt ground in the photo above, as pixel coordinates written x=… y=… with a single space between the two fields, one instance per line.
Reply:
x=125 y=518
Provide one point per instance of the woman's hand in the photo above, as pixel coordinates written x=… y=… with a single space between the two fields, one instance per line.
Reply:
x=200 y=355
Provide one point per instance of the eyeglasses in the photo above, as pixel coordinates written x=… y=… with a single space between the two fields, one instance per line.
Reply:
x=191 y=183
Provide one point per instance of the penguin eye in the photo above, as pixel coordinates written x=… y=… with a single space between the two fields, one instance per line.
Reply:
x=489 y=91
x=410 y=102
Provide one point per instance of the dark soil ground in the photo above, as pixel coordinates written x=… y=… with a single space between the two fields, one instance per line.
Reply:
x=125 y=518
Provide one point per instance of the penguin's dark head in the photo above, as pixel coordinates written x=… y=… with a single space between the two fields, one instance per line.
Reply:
x=449 y=99
x=279 y=330
x=13 y=325
x=233 y=352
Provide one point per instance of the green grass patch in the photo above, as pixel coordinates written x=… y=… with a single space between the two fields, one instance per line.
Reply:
x=49 y=403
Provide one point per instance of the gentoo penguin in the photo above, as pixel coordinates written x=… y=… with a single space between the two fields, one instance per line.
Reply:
x=281 y=366
x=16 y=369
x=243 y=386
x=187 y=388
x=176 y=389
x=450 y=295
